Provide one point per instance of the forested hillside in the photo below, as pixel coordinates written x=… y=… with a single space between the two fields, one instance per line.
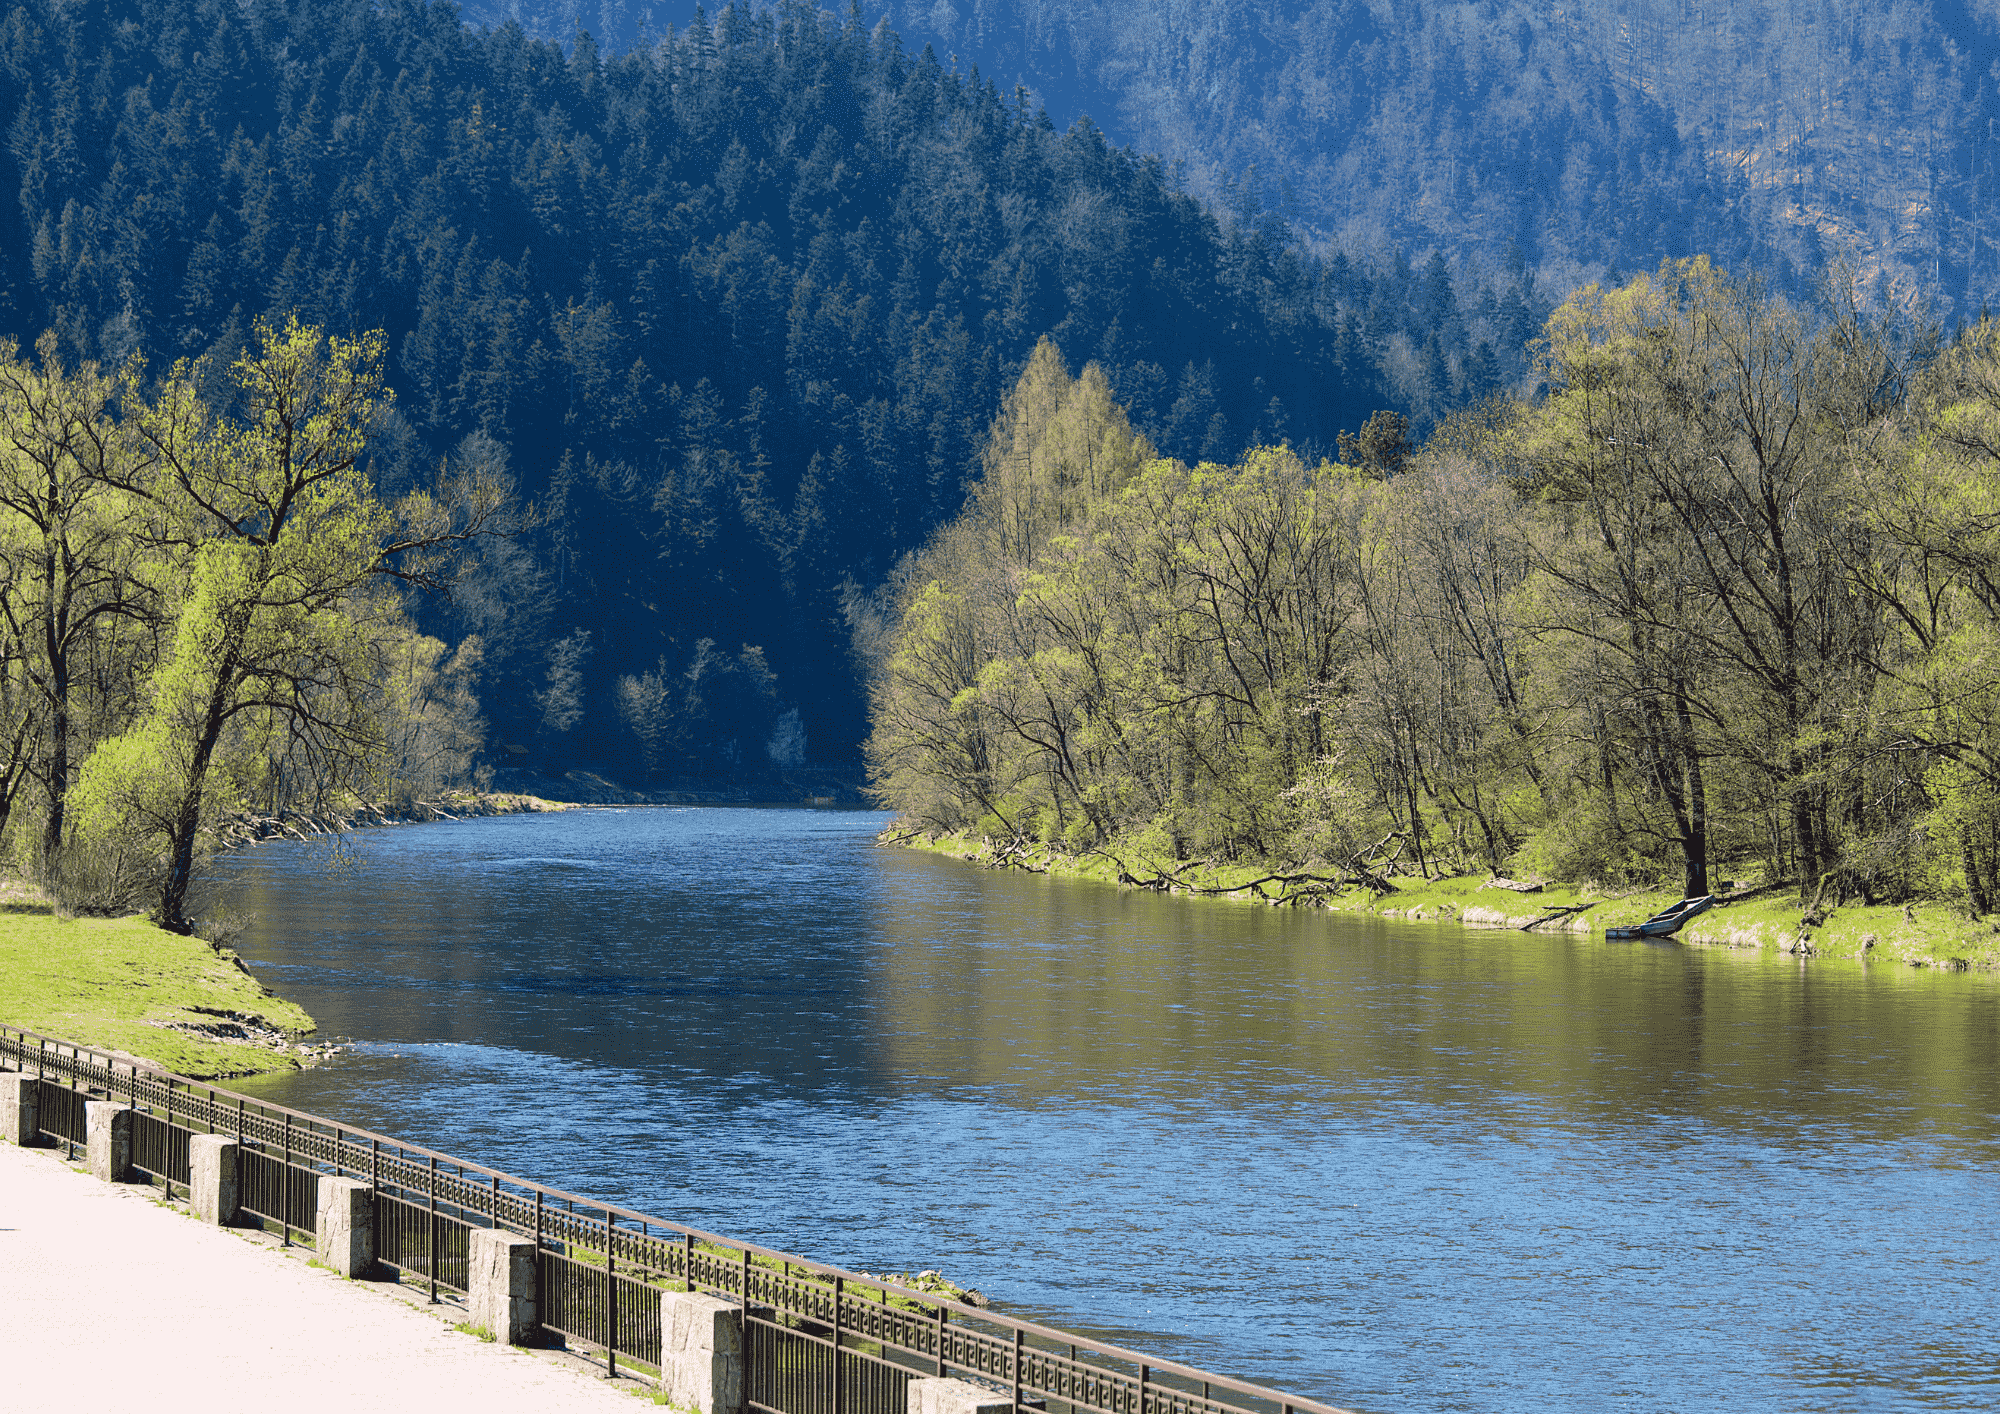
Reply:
x=1729 y=594
x=1592 y=133
x=1597 y=131
x=734 y=310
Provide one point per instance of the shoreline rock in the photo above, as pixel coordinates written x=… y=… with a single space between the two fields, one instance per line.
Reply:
x=251 y=828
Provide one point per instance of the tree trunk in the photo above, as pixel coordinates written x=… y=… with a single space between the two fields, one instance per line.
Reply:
x=187 y=815
x=58 y=667
x=1694 y=844
x=1975 y=885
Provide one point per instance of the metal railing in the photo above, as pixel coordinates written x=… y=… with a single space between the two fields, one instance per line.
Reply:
x=816 y=1339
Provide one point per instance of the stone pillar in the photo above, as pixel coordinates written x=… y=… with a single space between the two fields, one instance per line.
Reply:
x=701 y=1352
x=212 y=1167
x=107 y=1128
x=934 y=1395
x=500 y=1286
x=20 y=1108
x=344 y=1227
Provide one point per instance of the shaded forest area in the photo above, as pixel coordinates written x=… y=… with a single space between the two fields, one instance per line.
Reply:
x=1594 y=134
x=732 y=310
x=1729 y=595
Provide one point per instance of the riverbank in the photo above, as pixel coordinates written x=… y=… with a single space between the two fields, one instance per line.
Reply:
x=1924 y=933
x=251 y=828
x=122 y=984
x=805 y=785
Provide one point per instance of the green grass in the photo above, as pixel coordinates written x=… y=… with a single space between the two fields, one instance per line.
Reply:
x=481 y=1332
x=1925 y=933
x=109 y=982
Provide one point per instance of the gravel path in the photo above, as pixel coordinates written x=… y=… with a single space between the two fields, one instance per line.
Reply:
x=111 y=1299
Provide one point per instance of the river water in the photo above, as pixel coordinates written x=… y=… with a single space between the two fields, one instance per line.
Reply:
x=1391 y=1166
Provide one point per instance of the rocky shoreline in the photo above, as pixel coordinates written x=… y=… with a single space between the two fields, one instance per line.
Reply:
x=252 y=828
x=532 y=793
x=249 y=1029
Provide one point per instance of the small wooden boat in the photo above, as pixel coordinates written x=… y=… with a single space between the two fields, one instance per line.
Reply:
x=1661 y=925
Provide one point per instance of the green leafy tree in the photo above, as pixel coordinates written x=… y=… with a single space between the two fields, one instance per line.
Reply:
x=80 y=593
x=275 y=530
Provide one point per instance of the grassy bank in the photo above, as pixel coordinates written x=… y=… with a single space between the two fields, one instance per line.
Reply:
x=121 y=984
x=1921 y=934
x=124 y=985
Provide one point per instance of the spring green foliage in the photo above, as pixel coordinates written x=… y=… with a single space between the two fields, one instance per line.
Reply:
x=77 y=600
x=211 y=609
x=1727 y=596
x=272 y=529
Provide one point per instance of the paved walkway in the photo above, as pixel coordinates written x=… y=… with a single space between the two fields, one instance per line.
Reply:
x=111 y=1299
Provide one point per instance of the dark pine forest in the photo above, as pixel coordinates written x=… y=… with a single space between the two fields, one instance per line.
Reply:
x=736 y=309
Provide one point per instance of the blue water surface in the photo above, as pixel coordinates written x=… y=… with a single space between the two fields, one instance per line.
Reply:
x=1390 y=1166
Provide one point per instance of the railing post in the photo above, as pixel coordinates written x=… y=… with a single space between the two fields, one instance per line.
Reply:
x=611 y=1293
x=839 y=1384
x=431 y=1257
x=717 y=1357
x=21 y=1105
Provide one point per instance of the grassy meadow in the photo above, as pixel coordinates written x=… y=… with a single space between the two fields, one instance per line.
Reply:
x=122 y=984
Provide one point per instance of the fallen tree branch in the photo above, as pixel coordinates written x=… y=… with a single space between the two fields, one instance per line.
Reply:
x=1552 y=914
x=1162 y=881
x=1014 y=855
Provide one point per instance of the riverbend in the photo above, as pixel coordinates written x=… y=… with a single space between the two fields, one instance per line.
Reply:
x=1393 y=1165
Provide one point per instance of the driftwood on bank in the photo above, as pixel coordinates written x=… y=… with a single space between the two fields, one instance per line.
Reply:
x=1294 y=888
x=1552 y=913
x=1367 y=868
x=1016 y=853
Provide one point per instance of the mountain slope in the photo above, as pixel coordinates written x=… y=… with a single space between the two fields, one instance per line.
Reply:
x=737 y=309
x=1598 y=133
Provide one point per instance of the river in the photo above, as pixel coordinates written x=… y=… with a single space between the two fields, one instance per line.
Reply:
x=1393 y=1166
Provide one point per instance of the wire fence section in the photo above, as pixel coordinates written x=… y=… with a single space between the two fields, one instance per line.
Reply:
x=816 y=1339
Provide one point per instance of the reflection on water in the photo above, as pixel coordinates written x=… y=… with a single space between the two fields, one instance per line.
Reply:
x=1391 y=1166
